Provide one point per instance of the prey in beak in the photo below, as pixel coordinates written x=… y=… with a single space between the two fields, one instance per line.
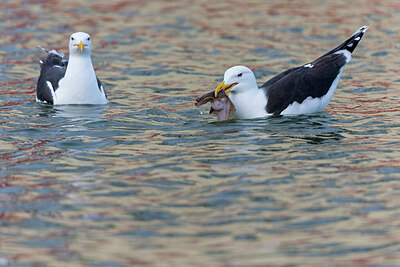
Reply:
x=80 y=46
x=227 y=88
x=221 y=105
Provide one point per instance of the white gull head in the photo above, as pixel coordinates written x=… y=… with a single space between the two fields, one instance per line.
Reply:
x=241 y=86
x=80 y=44
x=243 y=77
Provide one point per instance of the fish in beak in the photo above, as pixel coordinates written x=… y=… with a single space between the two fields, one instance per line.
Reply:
x=221 y=105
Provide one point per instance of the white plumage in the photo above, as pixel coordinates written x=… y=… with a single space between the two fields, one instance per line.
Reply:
x=79 y=84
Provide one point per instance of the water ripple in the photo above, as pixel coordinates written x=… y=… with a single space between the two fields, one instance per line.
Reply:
x=152 y=180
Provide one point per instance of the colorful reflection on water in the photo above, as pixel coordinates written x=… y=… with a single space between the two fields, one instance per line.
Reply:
x=149 y=180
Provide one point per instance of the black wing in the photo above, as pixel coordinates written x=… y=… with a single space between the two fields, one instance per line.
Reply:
x=52 y=70
x=313 y=79
x=299 y=83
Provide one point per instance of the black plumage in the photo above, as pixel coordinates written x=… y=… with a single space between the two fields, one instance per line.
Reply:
x=52 y=69
x=311 y=80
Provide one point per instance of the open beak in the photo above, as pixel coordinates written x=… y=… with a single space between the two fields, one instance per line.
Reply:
x=80 y=46
x=222 y=86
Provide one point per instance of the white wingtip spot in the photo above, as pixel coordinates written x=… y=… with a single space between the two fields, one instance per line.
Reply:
x=362 y=29
x=309 y=66
x=350 y=45
x=357 y=39
x=365 y=28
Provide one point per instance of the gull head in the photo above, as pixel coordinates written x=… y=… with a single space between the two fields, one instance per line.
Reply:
x=237 y=79
x=80 y=43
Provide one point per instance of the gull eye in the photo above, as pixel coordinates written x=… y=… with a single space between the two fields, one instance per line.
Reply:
x=88 y=38
x=240 y=74
x=72 y=38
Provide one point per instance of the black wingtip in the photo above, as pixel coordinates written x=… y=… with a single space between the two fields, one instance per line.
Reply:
x=351 y=43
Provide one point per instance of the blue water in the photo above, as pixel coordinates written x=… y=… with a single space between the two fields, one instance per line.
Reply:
x=152 y=180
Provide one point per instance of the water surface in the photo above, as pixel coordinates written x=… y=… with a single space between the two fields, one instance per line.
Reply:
x=151 y=180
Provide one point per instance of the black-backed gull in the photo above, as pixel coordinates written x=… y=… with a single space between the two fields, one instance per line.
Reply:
x=301 y=90
x=73 y=81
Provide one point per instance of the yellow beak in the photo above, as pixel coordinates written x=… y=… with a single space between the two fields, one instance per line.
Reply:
x=222 y=86
x=80 y=46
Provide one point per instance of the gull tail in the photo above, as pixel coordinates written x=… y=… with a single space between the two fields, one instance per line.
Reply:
x=351 y=43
